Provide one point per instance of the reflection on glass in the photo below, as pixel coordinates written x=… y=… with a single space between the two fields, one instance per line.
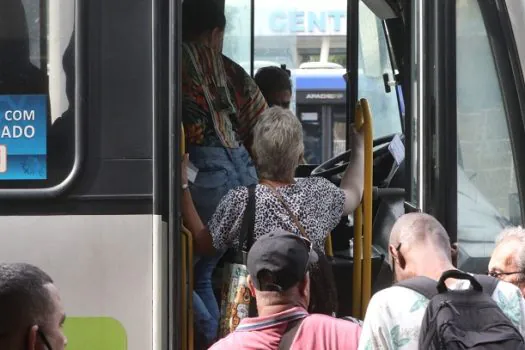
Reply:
x=373 y=63
x=339 y=131
x=310 y=38
x=34 y=141
x=237 y=34
x=487 y=186
x=312 y=136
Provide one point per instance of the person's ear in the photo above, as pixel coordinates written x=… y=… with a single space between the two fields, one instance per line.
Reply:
x=217 y=38
x=302 y=160
x=401 y=260
x=251 y=287
x=393 y=253
x=32 y=338
x=304 y=287
x=454 y=253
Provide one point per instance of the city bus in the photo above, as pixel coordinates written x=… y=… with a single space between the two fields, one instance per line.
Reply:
x=90 y=156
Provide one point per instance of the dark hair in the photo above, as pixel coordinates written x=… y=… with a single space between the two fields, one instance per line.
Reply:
x=323 y=291
x=201 y=16
x=24 y=300
x=271 y=79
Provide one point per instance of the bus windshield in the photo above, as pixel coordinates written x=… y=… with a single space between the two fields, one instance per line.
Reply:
x=310 y=39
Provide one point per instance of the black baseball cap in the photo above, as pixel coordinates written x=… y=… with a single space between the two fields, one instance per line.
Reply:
x=279 y=260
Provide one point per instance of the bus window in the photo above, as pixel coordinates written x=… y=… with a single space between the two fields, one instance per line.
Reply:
x=373 y=63
x=37 y=145
x=487 y=189
x=237 y=34
x=310 y=38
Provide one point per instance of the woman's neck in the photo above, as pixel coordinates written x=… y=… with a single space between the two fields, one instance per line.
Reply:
x=276 y=183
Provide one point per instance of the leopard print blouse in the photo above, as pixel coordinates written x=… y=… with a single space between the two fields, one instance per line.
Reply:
x=317 y=203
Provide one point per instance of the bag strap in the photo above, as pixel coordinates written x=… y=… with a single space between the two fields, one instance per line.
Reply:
x=488 y=283
x=248 y=221
x=428 y=287
x=289 y=334
x=290 y=213
x=421 y=285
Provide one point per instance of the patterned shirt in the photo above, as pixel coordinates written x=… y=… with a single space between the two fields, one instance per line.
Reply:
x=220 y=101
x=394 y=316
x=317 y=203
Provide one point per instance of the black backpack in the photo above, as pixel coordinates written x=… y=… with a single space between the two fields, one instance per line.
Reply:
x=463 y=319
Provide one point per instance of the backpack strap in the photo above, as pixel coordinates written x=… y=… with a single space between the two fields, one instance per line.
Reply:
x=488 y=283
x=422 y=285
x=289 y=334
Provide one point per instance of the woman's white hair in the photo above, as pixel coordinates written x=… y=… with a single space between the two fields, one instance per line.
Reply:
x=277 y=144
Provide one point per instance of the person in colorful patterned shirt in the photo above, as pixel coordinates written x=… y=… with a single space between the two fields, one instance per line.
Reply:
x=420 y=246
x=220 y=105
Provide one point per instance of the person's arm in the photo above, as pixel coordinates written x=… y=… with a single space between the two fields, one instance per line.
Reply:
x=202 y=240
x=224 y=226
x=352 y=182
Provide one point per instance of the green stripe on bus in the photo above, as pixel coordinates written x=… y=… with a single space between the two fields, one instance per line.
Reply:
x=100 y=333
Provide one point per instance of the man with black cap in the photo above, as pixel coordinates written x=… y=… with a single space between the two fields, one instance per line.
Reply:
x=278 y=266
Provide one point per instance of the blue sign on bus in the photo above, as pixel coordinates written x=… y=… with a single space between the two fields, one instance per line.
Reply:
x=23 y=145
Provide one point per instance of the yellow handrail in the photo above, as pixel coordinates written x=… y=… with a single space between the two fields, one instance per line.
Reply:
x=187 y=274
x=357 y=255
x=367 y=204
x=187 y=295
x=328 y=248
x=358 y=239
x=184 y=295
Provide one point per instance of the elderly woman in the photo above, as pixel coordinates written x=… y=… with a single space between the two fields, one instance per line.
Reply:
x=315 y=202
x=312 y=206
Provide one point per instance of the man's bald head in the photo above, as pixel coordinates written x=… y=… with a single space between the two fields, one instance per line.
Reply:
x=420 y=229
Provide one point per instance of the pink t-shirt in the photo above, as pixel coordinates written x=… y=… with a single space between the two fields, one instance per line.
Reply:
x=318 y=332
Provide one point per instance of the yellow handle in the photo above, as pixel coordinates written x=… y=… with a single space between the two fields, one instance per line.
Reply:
x=367 y=204
x=187 y=295
x=358 y=252
x=182 y=140
x=358 y=239
x=187 y=274
x=328 y=248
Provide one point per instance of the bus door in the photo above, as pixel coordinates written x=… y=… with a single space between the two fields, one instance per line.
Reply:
x=467 y=150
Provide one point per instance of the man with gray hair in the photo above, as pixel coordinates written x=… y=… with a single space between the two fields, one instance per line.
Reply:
x=508 y=258
x=31 y=312
x=420 y=247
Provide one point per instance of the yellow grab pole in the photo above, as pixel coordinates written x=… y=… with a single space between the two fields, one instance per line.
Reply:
x=188 y=295
x=358 y=234
x=184 y=295
x=357 y=254
x=367 y=204
x=328 y=246
x=187 y=272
